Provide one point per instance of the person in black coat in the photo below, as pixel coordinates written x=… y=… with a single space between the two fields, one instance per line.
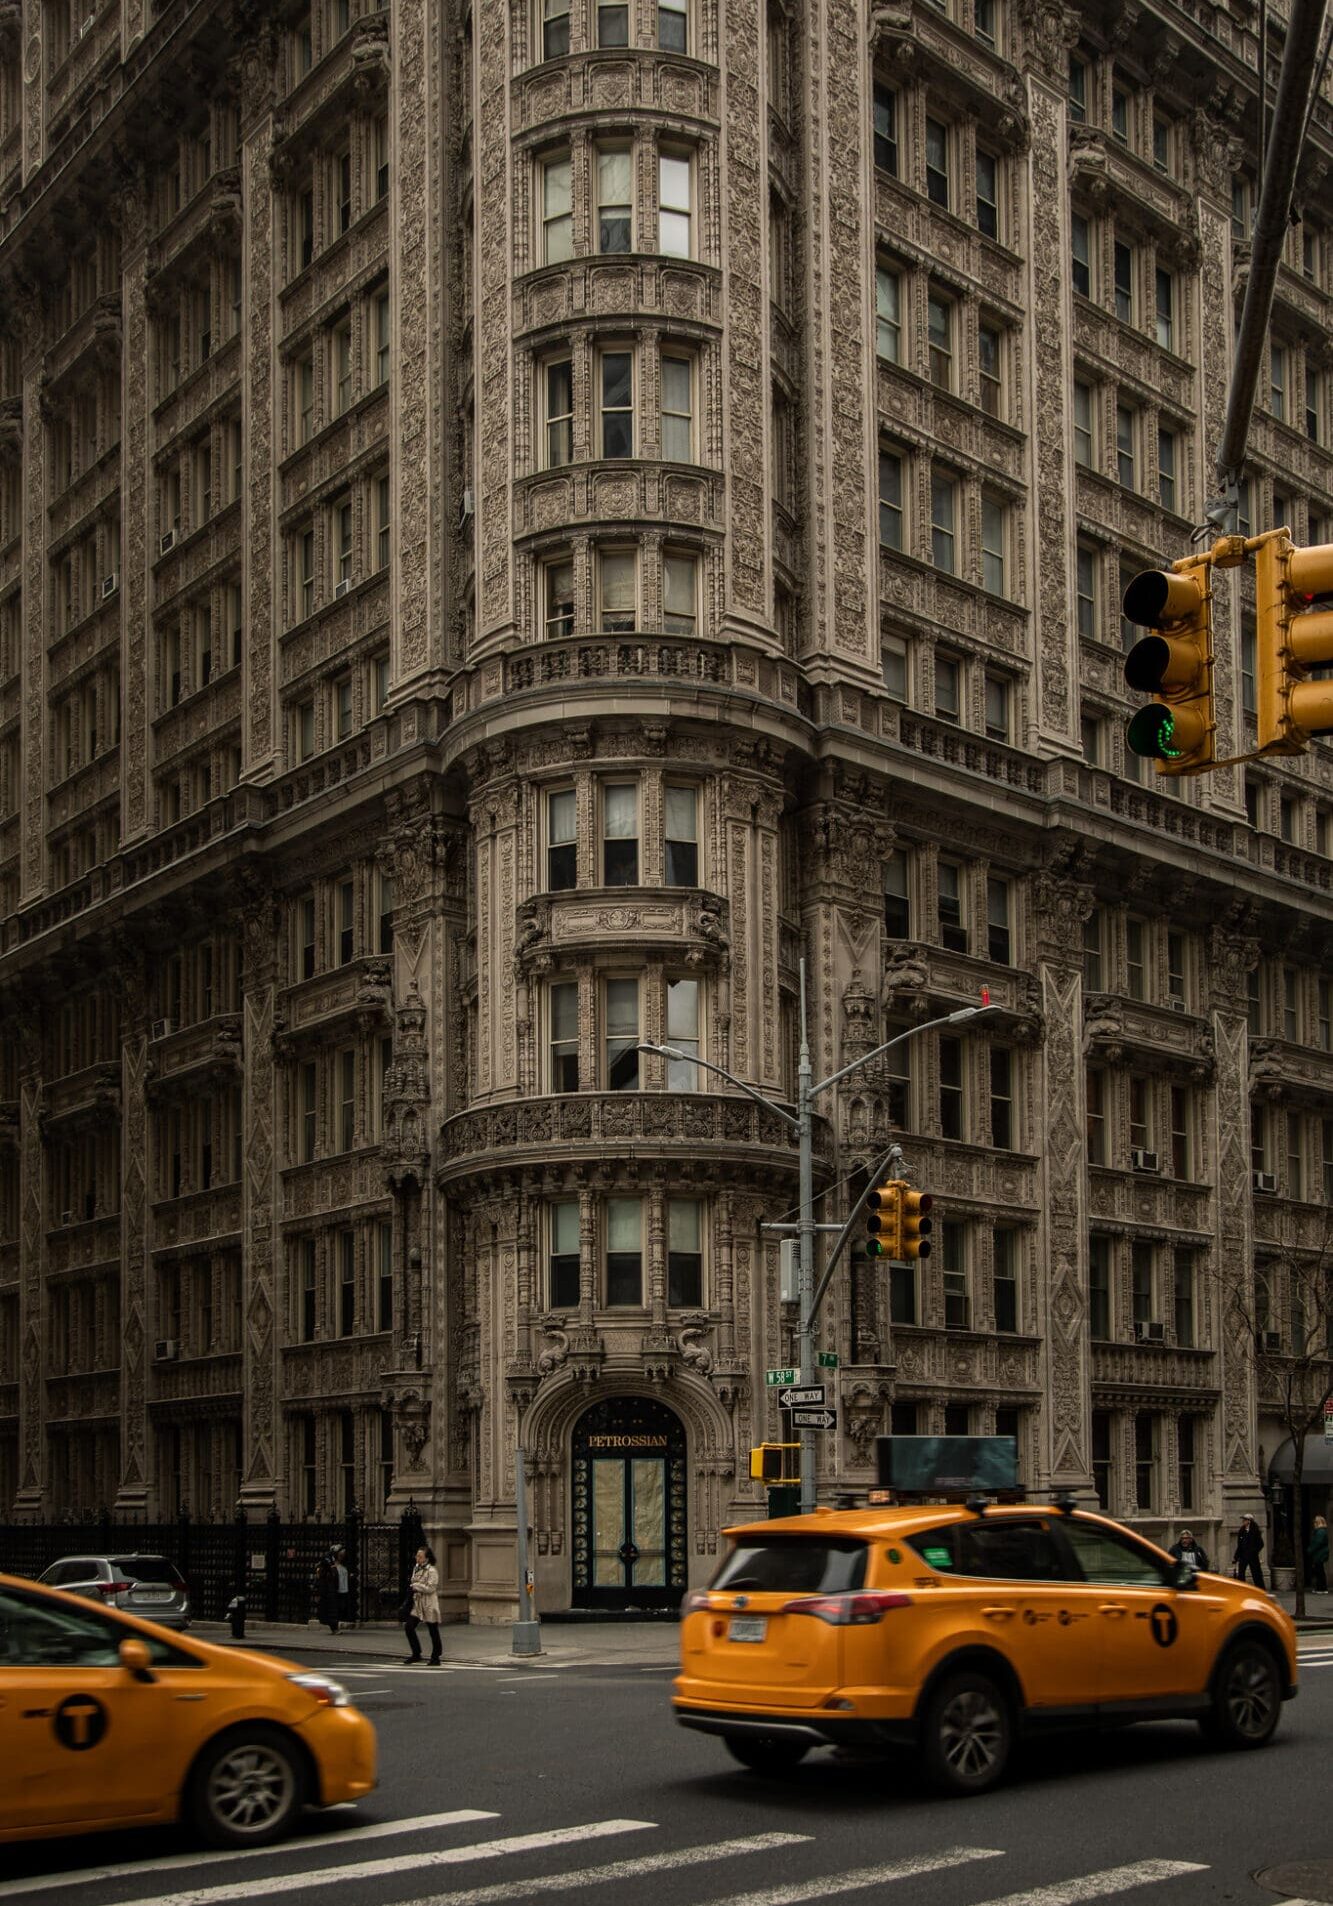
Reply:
x=1188 y=1550
x=1249 y=1547
x=326 y=1592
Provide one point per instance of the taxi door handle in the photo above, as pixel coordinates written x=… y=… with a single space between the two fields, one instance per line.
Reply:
x=999 y=1613
x=1116 y=1610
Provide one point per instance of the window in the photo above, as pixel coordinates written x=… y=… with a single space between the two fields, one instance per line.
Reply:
x=948 y=687
x=1099 y=1288
x=616 y=578
x=307 y=1290
x=557 y=212
x=346 y=1283
x=951 y=1088
x=999 y=937
x=886 y=130
x=890 y=500
x=682 y=836
x=555 y=29
x=381 y=158
x=1101 y=1457
x=382 y=539
x=939 y=335
x=559 y=579
x=1135 y=985
x=305 y=397
x=1090 y=738
x=1140 y=1101
x=1002 y=1098
x=988 y=204
x=1166 y=469
x=559 y=413
x=953 y=1249
x=563 y=1262
x=1095 y=1089
x=1004 y=1263
x=613 y=199
x=305 y=730
x=1277 y=370
x=1142 y=1297
x=990 y=345
x=309 y=1103
x=994 y=525
x=305 y=226
x=893 y=666
x=1185 y=1464
x=384 y=937
x=1184 y=1276
x=622 y=1035
x=620 y=835
x=342 y=528
x=306 y=939
x=346 y=922
x=561 y=840
x=1175 y=967
x=1120 y=115
x=683 y=1033
x=1165 y=299
x=624 y=1252
x=342 y=190
x=1313 y=407
x=565 y=1037
x=679 y=594
x=1161 y=143
x=1125 y=422
x=306 y=555
x=983 y=20
x=888 y=314
x=1145 y=1464
x=1083 y=442
x=1080 y=246
x=677 y=409
x=674 y=207
x=613 y=23
x=1085 y=589
x=684 y=1253
x=617 y=400
x=937 y=162
x=943 y=510
x=1122 y=280
x=1092 y=952
x=897 y=910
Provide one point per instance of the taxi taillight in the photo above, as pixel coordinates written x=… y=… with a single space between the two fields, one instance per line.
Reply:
x=848 y=1611
x=694 y=1601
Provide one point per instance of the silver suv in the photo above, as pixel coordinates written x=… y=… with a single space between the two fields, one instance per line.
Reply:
x=146 y=1585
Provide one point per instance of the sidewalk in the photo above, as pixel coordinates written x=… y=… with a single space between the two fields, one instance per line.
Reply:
x=564 y=1644
x=1318 y=1609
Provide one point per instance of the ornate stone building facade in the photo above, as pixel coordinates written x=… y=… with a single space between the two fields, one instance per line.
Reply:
x=515 y=526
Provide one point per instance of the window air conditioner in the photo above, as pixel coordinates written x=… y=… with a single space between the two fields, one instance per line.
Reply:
x=67 y=1217
x=1265 y=1180
x=1272 y=1339
x=166 y=542
x=88 y=25
x=1179 y=1006
x=1143 y=1161
x=110 y=584
x=166 y=1350
x=340 y=589
x=161 y=1029
x=1147 y=1331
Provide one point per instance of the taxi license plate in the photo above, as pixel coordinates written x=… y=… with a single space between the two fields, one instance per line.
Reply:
x=747 y=1628
x=152 y=1594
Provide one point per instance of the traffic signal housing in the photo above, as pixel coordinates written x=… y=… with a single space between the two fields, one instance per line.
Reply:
x=1291 y=638
x=884 y=1219
x=1173 y=664
x=914 y=1224
x=775 y=1463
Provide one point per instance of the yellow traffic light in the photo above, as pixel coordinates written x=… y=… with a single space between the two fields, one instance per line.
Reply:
x=775 y=1463
x=1174 y=664
x=914 y=1226
x=1290 y=639
x=884 y=1219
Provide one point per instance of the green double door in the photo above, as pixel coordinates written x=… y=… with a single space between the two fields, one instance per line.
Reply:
x=629 y=1527
x=629 y=1521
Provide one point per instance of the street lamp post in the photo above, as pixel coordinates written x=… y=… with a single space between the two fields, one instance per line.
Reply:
x=802 y=1123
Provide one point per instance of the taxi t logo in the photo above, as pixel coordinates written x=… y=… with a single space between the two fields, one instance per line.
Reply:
x=1164 y=1625
x=80 y=1722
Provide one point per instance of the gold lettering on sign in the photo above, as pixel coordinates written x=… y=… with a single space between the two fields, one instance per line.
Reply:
x=643 y=1441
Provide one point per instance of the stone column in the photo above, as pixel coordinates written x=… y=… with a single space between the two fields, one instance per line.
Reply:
x=30 y=1502
x=135 y=1493
x=263 y=1279
x=262 y=566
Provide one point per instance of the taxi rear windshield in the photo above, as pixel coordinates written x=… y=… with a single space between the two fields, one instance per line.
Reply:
x=795 y=1564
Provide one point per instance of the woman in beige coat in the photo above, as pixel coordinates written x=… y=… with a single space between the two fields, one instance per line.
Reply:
x=425 y=1607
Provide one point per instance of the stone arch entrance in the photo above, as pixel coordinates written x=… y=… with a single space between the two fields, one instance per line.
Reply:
x=629 y=1509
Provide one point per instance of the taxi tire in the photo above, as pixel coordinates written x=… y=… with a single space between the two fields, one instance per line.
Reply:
x=1246 y=1698
x=966 y=1733
x=766 y=1753
x=274 y=1756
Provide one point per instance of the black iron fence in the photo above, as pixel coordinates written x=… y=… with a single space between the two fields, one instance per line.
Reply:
x=271 y=1562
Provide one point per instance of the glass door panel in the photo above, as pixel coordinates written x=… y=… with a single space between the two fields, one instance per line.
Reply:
x=648 y=1521
x=608 y=1523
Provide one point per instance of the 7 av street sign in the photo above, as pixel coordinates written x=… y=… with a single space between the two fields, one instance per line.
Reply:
x=793 y=1398
x=814 y=1419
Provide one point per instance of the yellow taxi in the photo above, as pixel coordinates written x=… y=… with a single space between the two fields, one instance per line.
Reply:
x=109 y=1721
x=954 y=1630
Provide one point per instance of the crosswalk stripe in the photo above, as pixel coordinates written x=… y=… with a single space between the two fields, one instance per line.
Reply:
x=311 y=1843
x=1114 y=1879
x=399 y=1863
x=616 y=1870
x=855 y=1880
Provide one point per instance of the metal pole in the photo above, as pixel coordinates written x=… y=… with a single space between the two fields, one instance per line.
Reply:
x=527 y=1632
x=805 y=1273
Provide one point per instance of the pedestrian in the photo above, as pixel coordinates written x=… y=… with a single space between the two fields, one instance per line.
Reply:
x=425 y=1596
x=1318 y=1553
x=344 y=1586
x=1188 y=1550
x=326 y=1592
x=1249 y=1547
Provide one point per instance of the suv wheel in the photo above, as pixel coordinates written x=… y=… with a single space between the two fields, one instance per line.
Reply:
x=247 y=1787
x=967 y=1733
x=766 y=1753
x=1247 y=1697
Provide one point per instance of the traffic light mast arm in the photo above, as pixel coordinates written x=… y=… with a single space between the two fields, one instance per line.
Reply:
x=891 y=1161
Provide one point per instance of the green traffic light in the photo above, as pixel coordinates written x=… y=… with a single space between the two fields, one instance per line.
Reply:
x=1152 y=734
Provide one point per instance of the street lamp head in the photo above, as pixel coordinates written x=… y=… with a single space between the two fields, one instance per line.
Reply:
x=662 y=1052
x=969 y=1012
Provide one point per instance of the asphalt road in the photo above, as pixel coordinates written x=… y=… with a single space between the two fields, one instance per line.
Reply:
x=507 y=1784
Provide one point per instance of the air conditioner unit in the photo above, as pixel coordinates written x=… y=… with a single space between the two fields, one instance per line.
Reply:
x=1272 y=1339
x=465 y=507
x=341 y=588
x=1265 y=1180
x=1147 y=1331
x=166 y=1350
x=1179 y=1006
x=67 y=1217
x=110 y=584
x=166 y=542
x=161 y=1028
x=1143 y=1161
x=88 y=25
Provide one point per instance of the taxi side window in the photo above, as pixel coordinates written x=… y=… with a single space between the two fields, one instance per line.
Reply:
x=1105 y=1556
x=1014 y=1551
x=936 y=1548
x=36 y=1633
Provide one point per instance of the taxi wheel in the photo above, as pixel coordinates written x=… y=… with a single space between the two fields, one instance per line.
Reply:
x=1247 y=1698
x=765 y=1753
x=247 y=1787
x=967 y=1732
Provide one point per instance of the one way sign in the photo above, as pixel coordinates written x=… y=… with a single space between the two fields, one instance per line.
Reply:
x=793 y=1398
x=814 y=1419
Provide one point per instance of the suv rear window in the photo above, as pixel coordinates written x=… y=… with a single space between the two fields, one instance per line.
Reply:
x=794 y=1564
x=148 y=1568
